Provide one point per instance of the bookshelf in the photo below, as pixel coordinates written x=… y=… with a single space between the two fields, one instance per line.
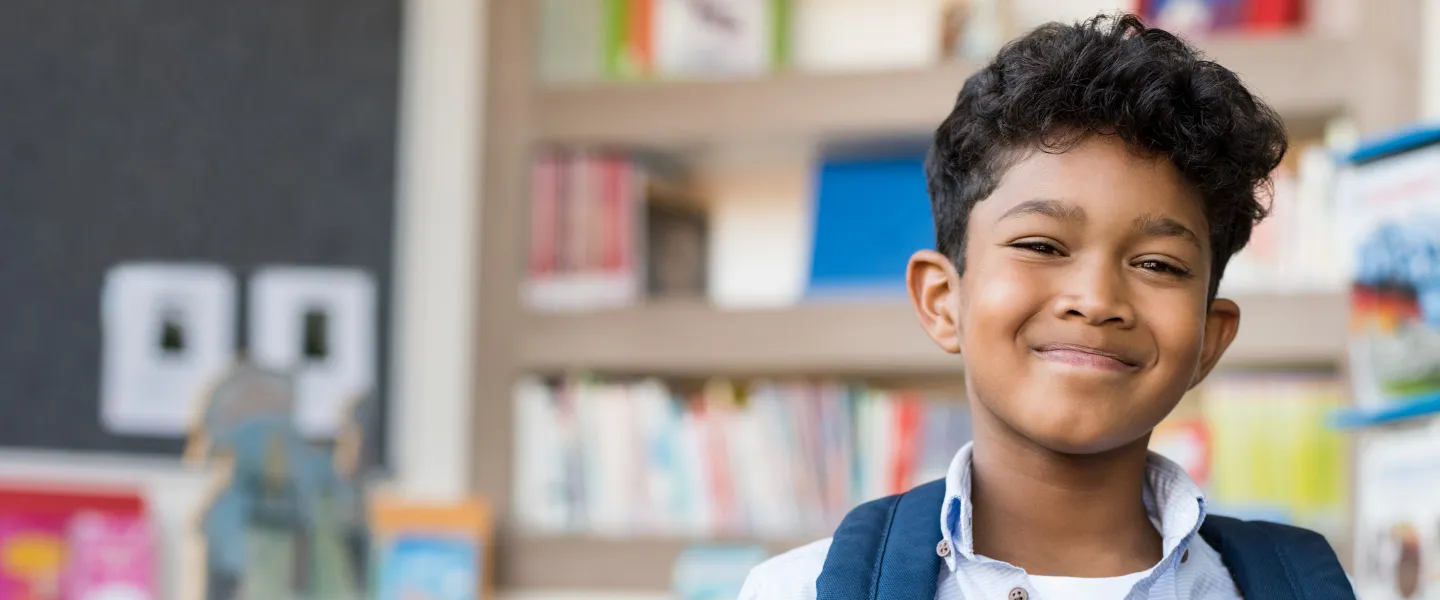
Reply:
x=876 y=338
x=1302 y=75
x=573 y=563
x=1369 y=75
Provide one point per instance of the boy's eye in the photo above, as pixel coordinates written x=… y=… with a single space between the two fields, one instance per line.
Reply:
x=1038 y=247
x=1160 y=266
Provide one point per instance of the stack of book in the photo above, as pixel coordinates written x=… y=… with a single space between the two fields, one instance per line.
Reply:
x=768 y=460
x=607 y=230
x=597 y=40
x=590 y=40
x=1262 y=447
x=1296 y=247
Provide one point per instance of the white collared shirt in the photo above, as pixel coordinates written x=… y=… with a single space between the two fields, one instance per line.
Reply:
x=1189 y=569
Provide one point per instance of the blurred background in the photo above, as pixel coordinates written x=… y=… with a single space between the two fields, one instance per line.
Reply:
x=555 y=299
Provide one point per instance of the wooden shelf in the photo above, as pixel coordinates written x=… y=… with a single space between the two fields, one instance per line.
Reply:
x=563 y=562
x=1302 y=76
x=862 y=338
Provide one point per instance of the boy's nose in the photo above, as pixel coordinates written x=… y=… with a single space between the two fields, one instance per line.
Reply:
x=1097 y=296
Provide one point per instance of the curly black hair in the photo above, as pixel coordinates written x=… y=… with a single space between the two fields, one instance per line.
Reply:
x=1110 y=75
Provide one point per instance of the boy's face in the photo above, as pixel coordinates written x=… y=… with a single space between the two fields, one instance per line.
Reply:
x=1082 y=313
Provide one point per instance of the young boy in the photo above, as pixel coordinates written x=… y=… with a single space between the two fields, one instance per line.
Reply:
x=1088 y=189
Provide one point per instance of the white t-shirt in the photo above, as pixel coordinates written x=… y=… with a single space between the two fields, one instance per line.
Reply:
x=1084 y=588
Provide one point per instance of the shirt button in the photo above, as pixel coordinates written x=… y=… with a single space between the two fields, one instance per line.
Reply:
x=943 y=548
x=1184 y=557
x=1019 y=593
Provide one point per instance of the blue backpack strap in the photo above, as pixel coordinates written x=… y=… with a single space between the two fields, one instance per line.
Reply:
x=1269 y=560
x=885 y=549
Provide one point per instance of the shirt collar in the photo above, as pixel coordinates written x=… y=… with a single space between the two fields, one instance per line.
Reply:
x=1174 y=502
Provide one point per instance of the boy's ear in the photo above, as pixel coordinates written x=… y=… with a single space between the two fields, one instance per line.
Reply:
x=1221 y=324
x=935 y=291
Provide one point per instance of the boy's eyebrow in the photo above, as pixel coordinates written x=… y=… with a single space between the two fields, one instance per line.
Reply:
x=1154 y=225
x=1055 y=209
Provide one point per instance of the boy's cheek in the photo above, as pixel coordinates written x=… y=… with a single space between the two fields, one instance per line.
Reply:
x=1002 y=294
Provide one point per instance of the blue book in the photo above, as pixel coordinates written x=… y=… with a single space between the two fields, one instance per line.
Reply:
x=870 y=216
x=430 y=567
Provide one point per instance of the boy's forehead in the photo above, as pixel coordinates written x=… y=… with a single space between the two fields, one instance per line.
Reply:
x=1099 y=178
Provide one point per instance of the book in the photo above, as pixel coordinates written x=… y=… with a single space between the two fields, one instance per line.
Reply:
x=1261 y=447
x=427 y=567
x=768 y=458
x=1208 y=16
x=589 y=40
x=609 y=229
x=1389 y=220
x=35 y=522
x=432 y=551
x=1397 y=511
x=717 y=37
x=629 y=47
x=571 y=41
x=586 y=210
x=110 y=557
x=870 y=215
x=857 y=35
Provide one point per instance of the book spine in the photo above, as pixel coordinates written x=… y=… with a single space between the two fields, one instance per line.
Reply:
x=545 y=188
x=904 y=443
x=781 y=13
x=565 y=191
x=629 y=44
x=777 y=460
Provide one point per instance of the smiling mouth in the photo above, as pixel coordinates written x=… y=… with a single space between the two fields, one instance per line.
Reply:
x=1085 y=357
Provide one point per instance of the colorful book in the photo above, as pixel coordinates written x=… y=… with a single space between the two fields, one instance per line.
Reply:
x=716 y=37
x=776 y=459
x=431 y=551
x=35 y=522
x=110 y=557
x=429 y=567
x=1390 y=210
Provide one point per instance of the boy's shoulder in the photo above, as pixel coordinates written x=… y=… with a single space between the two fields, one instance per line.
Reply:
x=789 y=576
x=1257 y=551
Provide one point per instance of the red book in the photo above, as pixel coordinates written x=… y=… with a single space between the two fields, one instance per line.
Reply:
x=1272 y=15
x=545 y=191
x=52 y=499
x=561 y=255
x=611 y=213
x=906 y=441
x=724 y=501
x=586 y=192
x=629 y=198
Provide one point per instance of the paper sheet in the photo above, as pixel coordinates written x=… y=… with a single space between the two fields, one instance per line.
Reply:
x=168 y=330
x=319 y=323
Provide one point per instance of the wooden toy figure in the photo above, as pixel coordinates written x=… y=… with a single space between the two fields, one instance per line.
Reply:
x=278 y=525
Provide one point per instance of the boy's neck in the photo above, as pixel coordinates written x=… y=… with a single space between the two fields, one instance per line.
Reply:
x=1057 y=514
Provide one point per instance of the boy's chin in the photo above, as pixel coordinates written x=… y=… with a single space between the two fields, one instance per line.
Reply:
x=1077 y=447
x=1080 y=441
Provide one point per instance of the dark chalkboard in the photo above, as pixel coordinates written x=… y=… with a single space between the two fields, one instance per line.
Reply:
x=241 y=133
